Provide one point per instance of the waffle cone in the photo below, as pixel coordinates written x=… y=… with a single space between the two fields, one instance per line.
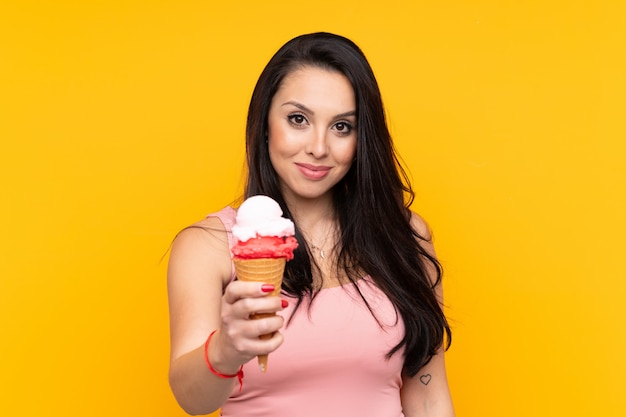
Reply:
x=268 y=271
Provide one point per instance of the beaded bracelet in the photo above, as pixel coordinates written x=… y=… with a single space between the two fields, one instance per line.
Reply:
x=239 y=374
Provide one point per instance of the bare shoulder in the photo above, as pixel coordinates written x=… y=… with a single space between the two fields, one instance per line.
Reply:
x=208 y=232
x=210 y=225
x=426 y=243
x=420 y=226
x=203 y=245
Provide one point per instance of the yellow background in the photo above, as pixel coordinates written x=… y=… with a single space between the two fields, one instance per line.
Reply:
x=123 y=121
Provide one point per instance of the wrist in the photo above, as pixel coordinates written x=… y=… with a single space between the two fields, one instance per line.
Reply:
x=219 y=369
x=218 y=358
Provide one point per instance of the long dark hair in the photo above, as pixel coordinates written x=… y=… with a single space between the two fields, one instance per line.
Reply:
x=379 y=241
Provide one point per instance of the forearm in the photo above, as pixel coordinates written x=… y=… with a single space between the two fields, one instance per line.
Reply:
x=433 y=402
x=427 y=394
x=196 y=388
x=431 y=409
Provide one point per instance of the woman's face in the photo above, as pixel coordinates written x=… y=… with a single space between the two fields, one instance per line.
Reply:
x=312 y=132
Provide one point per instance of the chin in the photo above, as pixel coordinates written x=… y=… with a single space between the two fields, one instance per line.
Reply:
x=308 y=194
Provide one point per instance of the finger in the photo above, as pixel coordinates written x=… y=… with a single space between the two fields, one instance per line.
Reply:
x=272 y=305
x=269 y=345
x=246 y=307
x=268 y=325
x=237 y=290
x=249 y=336
x=262 y=344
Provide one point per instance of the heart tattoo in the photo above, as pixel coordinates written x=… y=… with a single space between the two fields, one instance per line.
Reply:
x=425 y=379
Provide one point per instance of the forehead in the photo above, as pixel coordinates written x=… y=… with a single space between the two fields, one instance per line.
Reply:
x=314 y=85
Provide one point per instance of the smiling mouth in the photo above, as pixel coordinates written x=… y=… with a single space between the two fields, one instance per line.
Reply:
x=313 y=172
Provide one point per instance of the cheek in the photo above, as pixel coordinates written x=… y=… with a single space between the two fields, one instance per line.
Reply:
x=281 y=149
x=347 y=152
x=278 y=145
x=282 y=143
x=274 y=138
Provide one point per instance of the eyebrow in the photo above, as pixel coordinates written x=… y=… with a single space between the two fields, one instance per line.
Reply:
x=306 y=109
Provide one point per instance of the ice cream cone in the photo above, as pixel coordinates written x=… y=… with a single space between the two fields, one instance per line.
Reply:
x=266 y=270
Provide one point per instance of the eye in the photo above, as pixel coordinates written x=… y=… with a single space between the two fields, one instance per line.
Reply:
x=297 y=119
x=344 y=128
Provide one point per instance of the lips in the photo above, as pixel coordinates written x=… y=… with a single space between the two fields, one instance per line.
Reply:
x=313 y=172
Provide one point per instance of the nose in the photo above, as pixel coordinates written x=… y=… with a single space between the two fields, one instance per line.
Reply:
x=317 y=145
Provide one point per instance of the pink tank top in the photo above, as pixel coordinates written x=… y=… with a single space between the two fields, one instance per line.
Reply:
x=332 y=361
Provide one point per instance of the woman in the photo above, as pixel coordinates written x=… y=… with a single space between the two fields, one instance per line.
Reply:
x=360 y=329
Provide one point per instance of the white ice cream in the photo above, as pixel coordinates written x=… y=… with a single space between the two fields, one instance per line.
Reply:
x=261 y=215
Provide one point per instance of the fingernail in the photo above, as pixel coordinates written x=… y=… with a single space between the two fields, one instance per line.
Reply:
x=267 y=288
x=284 y=303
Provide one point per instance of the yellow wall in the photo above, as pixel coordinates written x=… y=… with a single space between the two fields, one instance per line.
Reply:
x=122 y=121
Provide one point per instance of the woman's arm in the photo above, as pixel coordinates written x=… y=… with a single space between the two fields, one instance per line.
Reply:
x=427 y=393
x=201 y=300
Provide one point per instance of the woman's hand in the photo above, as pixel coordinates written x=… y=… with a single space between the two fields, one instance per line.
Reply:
x=238 y=339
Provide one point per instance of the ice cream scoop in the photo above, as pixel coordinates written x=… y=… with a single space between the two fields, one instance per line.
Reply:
x=261 y=216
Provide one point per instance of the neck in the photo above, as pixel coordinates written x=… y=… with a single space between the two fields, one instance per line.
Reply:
x=311 y=214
